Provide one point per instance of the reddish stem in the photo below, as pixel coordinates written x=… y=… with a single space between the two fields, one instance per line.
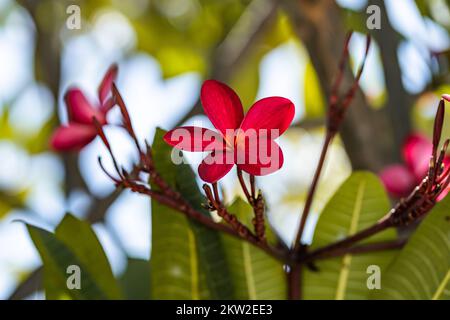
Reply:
x=349 y=241
x=243 y=186
x=363 y=248
x=312 y=190
x=294 y=285
x=253 y=186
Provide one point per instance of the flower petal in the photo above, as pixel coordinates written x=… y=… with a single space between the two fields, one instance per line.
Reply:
x=261 y=158
x=446 y=96
x=398 y=180
x=79 y=108
x=222 y=105
x=105 y=87
x=416 y=153
x=194 y=139
x=215 y=166
x=72 y=137
x=272 y=113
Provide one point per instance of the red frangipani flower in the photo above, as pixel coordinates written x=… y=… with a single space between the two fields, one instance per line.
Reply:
x=400 y=179
x=247 y=141
x=81 y=129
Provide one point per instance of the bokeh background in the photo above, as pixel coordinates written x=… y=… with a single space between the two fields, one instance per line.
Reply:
x=165 y=49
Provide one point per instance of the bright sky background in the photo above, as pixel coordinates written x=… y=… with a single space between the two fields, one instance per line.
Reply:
x=155 y=102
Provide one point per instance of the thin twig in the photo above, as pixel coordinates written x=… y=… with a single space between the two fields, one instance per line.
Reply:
x=311 y=192
x=216 y=191
x=252 y=186
x=349 y=241
x=243 y=186
x=337 y=107
x=361 y=249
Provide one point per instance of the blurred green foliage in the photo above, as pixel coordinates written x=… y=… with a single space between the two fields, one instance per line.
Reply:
x=74 y=243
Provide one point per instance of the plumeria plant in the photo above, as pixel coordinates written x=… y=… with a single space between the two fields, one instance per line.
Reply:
x=203 y=247
x=81 y=130
x=400 y=179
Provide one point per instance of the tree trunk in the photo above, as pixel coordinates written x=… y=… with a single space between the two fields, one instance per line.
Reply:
x=365 y=132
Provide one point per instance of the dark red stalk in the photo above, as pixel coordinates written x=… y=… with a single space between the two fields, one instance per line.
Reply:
x=336 y=111
x=311 y=192
x=334 y=247
x=243 y=186
x=216 y=191
x=294 y=278
x=252 y=186
x=126 y=116
x=105 y=141
x=360 y=249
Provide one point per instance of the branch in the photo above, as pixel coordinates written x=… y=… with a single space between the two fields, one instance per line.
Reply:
x=337 y=108
x=311 y=192
x=363 y=248
x=236 y=230
x=349 y=241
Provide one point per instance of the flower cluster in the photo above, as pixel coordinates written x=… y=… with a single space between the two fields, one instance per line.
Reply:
x=81 y=129
x=419 y=156
x=247 y=141
x=400 y=179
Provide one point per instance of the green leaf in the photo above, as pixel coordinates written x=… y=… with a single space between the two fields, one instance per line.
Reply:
x=188 y=260
x=255 y=274
x=74 y=243
x=56 y=257
x=79 y=237
x=358 y=203
x=135 y=281
x=422 y=269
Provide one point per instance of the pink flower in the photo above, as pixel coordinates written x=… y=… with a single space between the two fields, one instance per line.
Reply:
x=81 y=129
x=247 y=141
x=400 y=179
